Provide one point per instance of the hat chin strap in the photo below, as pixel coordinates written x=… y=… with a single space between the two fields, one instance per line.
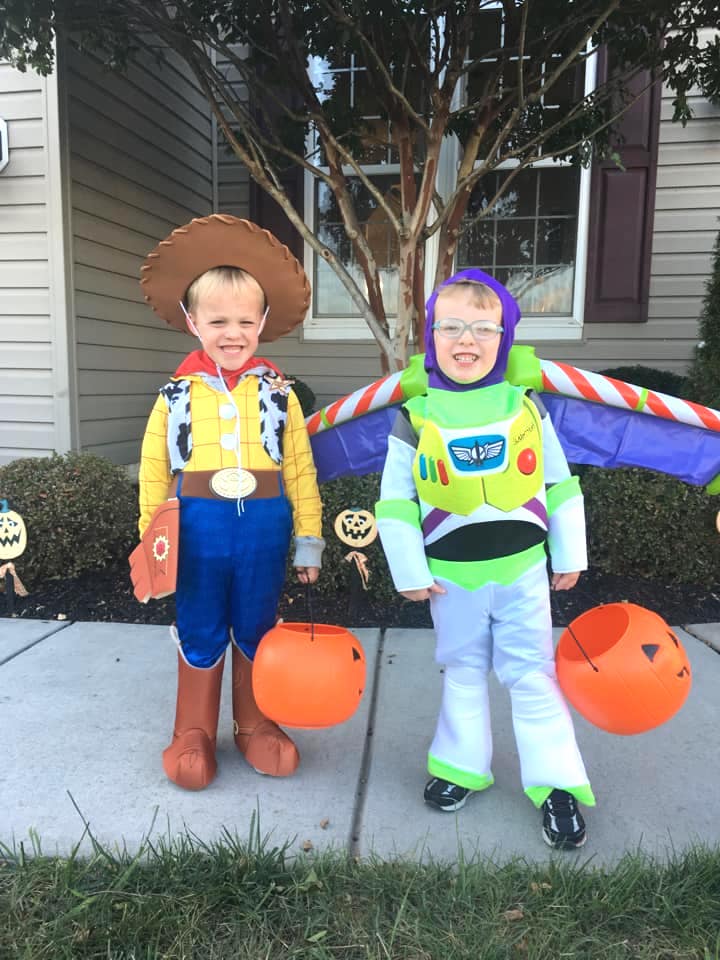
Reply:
x=189 y=319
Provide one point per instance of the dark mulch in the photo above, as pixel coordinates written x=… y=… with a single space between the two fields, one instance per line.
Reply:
x=107 y=596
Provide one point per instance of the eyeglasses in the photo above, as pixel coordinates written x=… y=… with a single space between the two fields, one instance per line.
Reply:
x=452 y=329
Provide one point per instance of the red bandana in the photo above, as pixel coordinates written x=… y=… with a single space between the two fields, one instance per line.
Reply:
x=199 y=362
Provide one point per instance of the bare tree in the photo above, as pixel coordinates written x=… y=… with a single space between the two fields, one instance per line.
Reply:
x=503 y=80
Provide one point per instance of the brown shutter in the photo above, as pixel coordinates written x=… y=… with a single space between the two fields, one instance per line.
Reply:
x=263 y=209
x=268 y=214
x=622 y=207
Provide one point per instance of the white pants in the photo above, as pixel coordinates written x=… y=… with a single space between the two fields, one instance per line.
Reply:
x=508 y=629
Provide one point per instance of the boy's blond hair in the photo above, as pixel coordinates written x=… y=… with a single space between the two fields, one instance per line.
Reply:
x=479 y=293
x=216 y=278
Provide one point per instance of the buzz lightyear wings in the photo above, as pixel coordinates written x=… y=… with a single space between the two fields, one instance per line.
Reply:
x=599 y=421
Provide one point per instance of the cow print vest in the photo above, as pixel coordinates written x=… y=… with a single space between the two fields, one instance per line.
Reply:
x=273 y=403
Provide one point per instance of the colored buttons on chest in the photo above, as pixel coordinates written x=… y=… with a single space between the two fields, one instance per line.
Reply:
x=432 y=469
x=227 y=441
x=227 y=411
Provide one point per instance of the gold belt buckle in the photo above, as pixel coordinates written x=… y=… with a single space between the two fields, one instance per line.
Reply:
x=232 y=483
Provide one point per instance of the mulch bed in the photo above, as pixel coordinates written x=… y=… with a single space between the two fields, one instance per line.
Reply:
x=106 y=595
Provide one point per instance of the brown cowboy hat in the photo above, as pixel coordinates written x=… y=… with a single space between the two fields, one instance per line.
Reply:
x=221 y=240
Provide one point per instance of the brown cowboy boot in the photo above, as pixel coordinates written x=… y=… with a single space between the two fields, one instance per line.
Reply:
x=189 y=761
x=260 y=740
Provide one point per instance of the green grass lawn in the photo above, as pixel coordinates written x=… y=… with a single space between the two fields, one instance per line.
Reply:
x=250 y=900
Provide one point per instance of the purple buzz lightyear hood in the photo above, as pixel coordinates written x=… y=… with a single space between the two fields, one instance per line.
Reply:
x=510 y=319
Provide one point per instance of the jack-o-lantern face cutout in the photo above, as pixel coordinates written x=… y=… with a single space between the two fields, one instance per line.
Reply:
x=13 y=535
x=355 y=527
x=623 y=668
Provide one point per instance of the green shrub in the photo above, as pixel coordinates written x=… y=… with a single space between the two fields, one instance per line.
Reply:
x=650 y=377
x=338 y=495
x=80 y=512
x=304 y=394
x=647 y=524
x=640 y=523
x=704 y=376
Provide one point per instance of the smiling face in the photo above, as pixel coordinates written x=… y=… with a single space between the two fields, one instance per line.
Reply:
x=228 y=318
x=465 y=359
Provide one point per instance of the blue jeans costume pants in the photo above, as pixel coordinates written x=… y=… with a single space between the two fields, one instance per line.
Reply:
x=231 y=569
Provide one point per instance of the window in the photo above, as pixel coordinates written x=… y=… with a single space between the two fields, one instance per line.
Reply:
x=533 y=240
x=333 y=314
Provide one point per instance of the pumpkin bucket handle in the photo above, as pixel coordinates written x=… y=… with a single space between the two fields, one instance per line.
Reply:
x=563 y=616
x=309 y=607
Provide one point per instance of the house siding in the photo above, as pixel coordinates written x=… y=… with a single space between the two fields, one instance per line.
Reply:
x=140 y=164
x=29 y=421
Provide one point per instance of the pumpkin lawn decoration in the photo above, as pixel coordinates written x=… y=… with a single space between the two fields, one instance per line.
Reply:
x=13 y=540
x=308 y=674
x=356 y=528
x=622 y=667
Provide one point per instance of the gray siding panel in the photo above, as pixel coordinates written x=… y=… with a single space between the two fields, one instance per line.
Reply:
x=27 y=414
x=141 y=165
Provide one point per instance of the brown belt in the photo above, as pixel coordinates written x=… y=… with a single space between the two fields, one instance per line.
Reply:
x=196 y=483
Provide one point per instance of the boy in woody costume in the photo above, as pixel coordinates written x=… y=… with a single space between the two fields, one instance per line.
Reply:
x=227 y=437
x=474 y=485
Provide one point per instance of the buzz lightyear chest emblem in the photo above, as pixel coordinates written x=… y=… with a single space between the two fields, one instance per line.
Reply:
x=478 y=454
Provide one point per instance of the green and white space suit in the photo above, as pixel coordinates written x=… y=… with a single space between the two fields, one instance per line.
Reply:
x=474 y=485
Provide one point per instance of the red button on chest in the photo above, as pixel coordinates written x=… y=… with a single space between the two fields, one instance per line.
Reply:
x=527 y=461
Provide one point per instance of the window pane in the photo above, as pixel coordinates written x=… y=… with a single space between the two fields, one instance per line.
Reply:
x=374 y=143
x=325 y=204
x=333 y=236
x=520 y=198
x=365 y=203
x=515 y=242
x=477 y=245
x=556 y=241
x=382 y=240
x=484 y=44
x=330 y=296
x=375 y=132
x=528 y=241
x=559 y=191
x=569 y=86
x=486 y=34
x=543 y=290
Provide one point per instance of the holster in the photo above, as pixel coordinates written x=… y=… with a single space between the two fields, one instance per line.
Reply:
x=153 y=563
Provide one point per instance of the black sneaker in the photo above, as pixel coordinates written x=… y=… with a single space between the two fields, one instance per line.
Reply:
x=563 y=825
x=444 y=795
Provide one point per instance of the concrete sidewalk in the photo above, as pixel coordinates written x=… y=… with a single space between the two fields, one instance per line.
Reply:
x=86 y=709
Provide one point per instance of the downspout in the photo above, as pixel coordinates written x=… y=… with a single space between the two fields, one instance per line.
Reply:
x=61 y=272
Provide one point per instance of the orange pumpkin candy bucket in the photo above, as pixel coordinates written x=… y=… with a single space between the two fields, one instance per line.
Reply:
x=622 y=668
x=308 y=674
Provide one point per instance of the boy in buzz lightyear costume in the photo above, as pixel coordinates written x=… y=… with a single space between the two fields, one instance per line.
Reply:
x=227 y=437
x=474 y=486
